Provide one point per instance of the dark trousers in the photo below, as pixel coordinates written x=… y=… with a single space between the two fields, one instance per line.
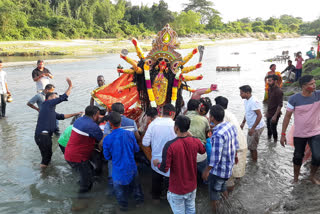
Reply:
x=272 y=127
x=3 y=104
x=123 y=192
x=44 y=142
x=299 y=148
x=86 y=172
x=160 y=184
x=62 y=148
x=298 y=74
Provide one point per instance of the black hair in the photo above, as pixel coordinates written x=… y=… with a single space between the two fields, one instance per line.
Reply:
x=222 y=101
x=114 y=118
x=183 y=123
x=217 y=112
x=152 y=112
x=305 y=79
x=168 y=108
x=246 y=88
x=206 y=104
x=271 y=65
x=75 y=118
x=0 y=61
x=290 y=60
x=49 y=87
x=90 y=111
x=39 y=61
x=193 y=105
x=274 y=77
x=118 y=107
x=50 y=94
x=100 y=76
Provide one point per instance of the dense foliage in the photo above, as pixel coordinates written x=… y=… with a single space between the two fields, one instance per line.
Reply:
x=64 y=19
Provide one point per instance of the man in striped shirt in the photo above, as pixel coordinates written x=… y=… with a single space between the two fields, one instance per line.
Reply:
x=224 y=145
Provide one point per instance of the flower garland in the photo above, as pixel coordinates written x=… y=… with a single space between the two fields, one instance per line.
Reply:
x=149 y=86
x=175 y=88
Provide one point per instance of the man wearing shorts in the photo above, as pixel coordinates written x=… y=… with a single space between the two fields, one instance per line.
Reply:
x=223 y=155
x=306 y=109
x=253 y=117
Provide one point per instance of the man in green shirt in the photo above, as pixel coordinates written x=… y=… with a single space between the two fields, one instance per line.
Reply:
x=199 y=127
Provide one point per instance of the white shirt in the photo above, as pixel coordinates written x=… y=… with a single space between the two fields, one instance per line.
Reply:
x=250 y=106
x=42 y=82
x=3 y=81
x=159 y=132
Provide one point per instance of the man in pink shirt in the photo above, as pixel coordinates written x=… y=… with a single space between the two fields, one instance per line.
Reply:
x=306 y=109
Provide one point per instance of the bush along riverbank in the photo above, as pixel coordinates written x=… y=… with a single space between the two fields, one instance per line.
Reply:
x=311 y=67
x=87 y=47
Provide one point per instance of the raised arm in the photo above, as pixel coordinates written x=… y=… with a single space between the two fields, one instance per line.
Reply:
x=68 y=91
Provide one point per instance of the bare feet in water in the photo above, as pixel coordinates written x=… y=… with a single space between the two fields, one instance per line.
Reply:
x=315 y=181
x=42 y=166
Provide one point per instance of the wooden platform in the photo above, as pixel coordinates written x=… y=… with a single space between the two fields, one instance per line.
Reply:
x=228 y=68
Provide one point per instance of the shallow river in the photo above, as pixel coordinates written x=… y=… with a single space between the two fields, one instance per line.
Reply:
x=266 y=187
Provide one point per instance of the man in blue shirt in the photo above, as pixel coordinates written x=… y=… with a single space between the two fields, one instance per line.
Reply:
x=46 y=124
x=126 y=124
x=224 y=145
x=120 y=146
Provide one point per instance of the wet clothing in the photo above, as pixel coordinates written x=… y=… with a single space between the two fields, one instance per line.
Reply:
x=159 y=132
x=39 y=98
x=306 y=112
x=3 y=103
x=85 y=133
x=299 y=148
x=44 y=142
x=64 y=138
x=122 y=193
x=272 y=128
x=178 y=155
x=199 y=127
x=216 y=186
x=86 y=172
x=120 y=146
x=254 y=139
x=43 y=81
x=47 y=115
x=251 y=105
x=224 y=145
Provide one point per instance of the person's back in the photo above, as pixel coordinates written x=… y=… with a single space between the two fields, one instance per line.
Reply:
x=85 y=133
x=159 y=132
x=183 y=155
x=120 y=146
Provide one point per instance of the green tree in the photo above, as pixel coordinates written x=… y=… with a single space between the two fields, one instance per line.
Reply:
x=204 y=7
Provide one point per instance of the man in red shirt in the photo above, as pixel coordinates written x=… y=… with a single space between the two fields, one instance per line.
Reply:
x=179 y=155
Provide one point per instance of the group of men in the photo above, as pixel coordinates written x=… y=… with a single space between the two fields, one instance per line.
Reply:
x=184 y=148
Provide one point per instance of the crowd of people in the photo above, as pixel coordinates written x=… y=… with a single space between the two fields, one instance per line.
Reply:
x=203 y=145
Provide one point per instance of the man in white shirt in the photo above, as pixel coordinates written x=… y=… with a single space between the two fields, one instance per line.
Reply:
x=253 y=117
x=4 y=91
x=159 y=132
x=101 y=82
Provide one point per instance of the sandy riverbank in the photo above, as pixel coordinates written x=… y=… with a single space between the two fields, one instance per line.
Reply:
x=90 y=47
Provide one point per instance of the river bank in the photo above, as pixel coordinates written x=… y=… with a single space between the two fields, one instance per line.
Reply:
x=89 y=47
x=311 y=67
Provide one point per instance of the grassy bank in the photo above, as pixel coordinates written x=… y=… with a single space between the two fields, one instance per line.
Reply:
x=87 y=47
x=311 y=67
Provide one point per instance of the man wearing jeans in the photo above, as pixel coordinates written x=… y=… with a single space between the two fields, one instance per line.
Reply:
x=4 y=91
x=180 y=156
x=306 y=109
x=253 y=117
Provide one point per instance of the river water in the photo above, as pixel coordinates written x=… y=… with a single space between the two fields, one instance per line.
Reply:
x=266 y=187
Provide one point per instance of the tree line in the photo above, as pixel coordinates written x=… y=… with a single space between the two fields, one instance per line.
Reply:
x=72 y=19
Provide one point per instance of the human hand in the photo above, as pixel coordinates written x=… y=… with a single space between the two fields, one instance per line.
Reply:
x=273 y=119
x=69 y=81
x=236 y=160
x=9 y=93
x=283 y=140
x=242 y=125
x=251 y=131
x=156 y=162
x=205 y=174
